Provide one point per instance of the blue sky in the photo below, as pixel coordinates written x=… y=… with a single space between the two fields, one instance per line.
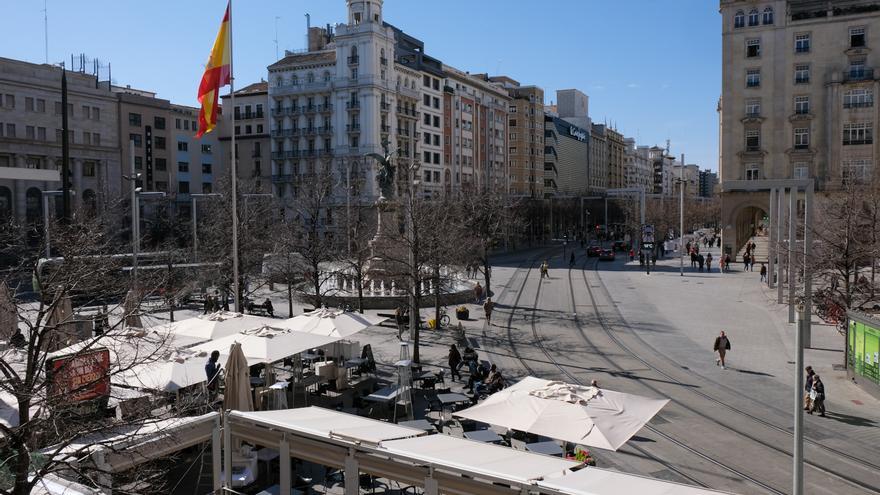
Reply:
x=650 y=67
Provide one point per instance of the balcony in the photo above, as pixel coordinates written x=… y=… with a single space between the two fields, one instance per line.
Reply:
x=309 y=131
x=859 y=74
x=277 y=133
x=403 y=131
x=325 y=108
x=383 y=61
x=308 y=153
x=328 y=129
x=282 y=178
x=353 y=128
x=325 y=153
x=354 y=60
x=385 y=106
x=386 y=129
x=353 y=105
x=277 y=155
x=310 y=109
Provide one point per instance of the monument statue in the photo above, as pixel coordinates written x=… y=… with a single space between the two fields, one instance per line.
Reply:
x=385 y=174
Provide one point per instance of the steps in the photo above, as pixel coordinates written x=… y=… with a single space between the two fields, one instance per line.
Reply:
x=761 y=253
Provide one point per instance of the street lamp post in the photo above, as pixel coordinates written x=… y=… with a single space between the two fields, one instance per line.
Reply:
x=136 y=223
x=46 y=195
x=194 y=197
x=681 y=220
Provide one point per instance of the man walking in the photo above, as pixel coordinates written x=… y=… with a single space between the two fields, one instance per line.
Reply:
x=722 y=345
x=817 y=395
x=488 y=306
x=763 y=272
x=478 y=293
x=808 y=387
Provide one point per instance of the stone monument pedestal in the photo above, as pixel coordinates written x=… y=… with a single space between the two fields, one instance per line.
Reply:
x=387 y=255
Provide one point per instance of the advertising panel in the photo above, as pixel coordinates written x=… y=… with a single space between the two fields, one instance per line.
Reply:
x=79 y=377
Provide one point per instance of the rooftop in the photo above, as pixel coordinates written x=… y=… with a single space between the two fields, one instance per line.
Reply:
x=291 y=58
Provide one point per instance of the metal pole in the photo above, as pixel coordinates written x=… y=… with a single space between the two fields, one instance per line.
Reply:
x=780 y=214
x=772 y=237
x=642 y=212
x=798 y=450
x=792 y=246
x=681 y=219
x=65 y=150
x=195 y=231
x=808 y=281
x=606 y=218
x=134 y=213
x=348 y=204
x=46 y=223
x=234 y=172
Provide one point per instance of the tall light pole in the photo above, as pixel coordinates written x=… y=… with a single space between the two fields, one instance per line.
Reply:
x=132 y=181
x=681 y=220
x=411 y=170
x=798 y=449
x=194 y=197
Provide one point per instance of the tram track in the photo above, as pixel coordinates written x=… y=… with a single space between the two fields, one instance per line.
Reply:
x=631 y=354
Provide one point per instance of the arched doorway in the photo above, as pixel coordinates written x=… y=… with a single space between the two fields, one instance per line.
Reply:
x=5 y=203
x=90 y=203
x=750 y=221
x=33 y=205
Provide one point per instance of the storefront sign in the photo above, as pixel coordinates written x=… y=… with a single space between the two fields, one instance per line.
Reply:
x=79 y=377
x=578 y=133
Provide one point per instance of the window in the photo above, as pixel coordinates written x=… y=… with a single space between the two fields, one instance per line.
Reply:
x=801 y=105
x=259 y=128
x=768 y=15
x=802 y=43
x=739 y=19
x=86 y=112
x=354 y=142
x=753 y=172
x=177 y=123
x=427 y=176
x=28 y=104
x=248 y=129
x=858 y=133
x=427 y=119
x=858 y=98
x=801 y=74
x=753 y=48
x=183 y=187
x=426 y=81
x=41 y=105
x=96 y=113
x=857 y=70
x=186 y=125
x=159 y=142
x=89 y=169
x=856 y=169
x=436 y=103
x=161 y=164
x=10 y=102
x=354 y=73
x=800 y=170
x=207 y=187
x=206 y=168
x=753 y=108
x=427 y=138
x=138 y=163
x=159 y=122
x=857 y=37
x=134 y=119
x=206 y=149
x=753 y=17
x=182 y=146
x=801 y=138
x=41 y=133
x=753 y=140
x=137 y=140
x=30 y=132
x=436 y=140
x=183 y=166
x=753 y=78
x=96 y=139
x=437 y=121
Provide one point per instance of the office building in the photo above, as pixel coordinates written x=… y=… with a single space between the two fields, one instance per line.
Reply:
x=252 y=138
x=566 y=158
x=616 y=159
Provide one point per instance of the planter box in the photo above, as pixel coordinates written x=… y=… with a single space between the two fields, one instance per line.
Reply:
x=462 y=314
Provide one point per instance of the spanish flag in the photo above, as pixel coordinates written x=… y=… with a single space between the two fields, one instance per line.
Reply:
x=218 y=73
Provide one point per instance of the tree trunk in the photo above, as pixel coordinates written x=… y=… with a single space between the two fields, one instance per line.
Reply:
x=317 y=281
x=487 y=270
x=290 y=299
x=360 y=282
x=436 y=296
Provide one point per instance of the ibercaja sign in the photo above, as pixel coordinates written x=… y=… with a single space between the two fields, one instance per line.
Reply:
x=79 y=377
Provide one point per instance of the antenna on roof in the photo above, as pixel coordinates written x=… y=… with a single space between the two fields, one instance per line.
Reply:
x=46 y=28
x=276 y=37
x=308 y=28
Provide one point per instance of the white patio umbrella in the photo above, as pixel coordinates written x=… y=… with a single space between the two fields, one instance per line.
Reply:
x=131 y=309
x=266 y=344
x=216 y=325
x=172 y=371
x=237 y=394
x=576 y=414
x=332 y=323
x=60 y=324
x=8 y=314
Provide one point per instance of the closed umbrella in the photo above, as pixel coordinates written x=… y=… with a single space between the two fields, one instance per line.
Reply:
x=60 y=326
x=587 y=415
x=237 y=395
x=331 y=322
x=131 y=307
x=8 y=314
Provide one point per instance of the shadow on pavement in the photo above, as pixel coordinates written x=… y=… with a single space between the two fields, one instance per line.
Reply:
x=750 y=372
x=851 y=420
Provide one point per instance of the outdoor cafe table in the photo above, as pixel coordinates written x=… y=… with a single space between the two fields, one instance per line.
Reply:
x=453 y=398
x=419 y=424
x=383 y=395
x=276 y=490
x=548 y=448
x=487 y=436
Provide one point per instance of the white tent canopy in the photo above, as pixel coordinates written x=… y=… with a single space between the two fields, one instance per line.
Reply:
x=584 y=415
x=480 y=458
x=332 y=323
x=178 y=369
x=266 y=344
x=216 y=325
x=595 y=481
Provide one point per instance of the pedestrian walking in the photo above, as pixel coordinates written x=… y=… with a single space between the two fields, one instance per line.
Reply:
x=454 y=362
x=478 y=292
x=708 y=262
x=721 y=265
x=763 y=272
x=727 y=262
x=571 y=260
x=722 y=345
x=544 y=267
x=701 y=261
x=817 y=396
x=488 y=306
x=808 y=387
x=746 y=259
x=719 y=242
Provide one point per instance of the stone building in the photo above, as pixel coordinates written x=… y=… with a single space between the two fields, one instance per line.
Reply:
x=639 y=172
x=599 y=156
x=252 y=126
x=798 y=98
x=144 y=127
x=30 y=139
x=616 y=159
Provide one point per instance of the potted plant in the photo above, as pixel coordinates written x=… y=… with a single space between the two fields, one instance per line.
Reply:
x=462 y=313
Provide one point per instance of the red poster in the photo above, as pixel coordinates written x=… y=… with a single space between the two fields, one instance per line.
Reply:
x=80 y=377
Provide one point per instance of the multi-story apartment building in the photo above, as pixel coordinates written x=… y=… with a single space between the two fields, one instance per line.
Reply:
x=708 y=182
x=639 y=170
x=30 y=139
x=616 y=159
x=798 y=91
x=566 y=158
x=144 y=125
x=526 y=137
x=252 y=138
x=198 y=161
x=599 y=156
x=690 y=174
x=479 y=131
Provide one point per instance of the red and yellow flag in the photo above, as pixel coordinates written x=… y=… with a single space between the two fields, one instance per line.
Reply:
x=218 y=73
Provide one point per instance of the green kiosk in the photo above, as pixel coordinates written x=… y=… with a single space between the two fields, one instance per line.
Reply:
x=863 y=351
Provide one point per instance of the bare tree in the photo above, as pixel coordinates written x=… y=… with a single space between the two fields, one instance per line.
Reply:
x=486 y=218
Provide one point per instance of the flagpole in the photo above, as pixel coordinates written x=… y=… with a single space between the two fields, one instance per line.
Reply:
x=234 y=171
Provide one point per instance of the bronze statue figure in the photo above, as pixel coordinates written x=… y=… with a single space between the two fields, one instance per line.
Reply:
x=385 y=174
